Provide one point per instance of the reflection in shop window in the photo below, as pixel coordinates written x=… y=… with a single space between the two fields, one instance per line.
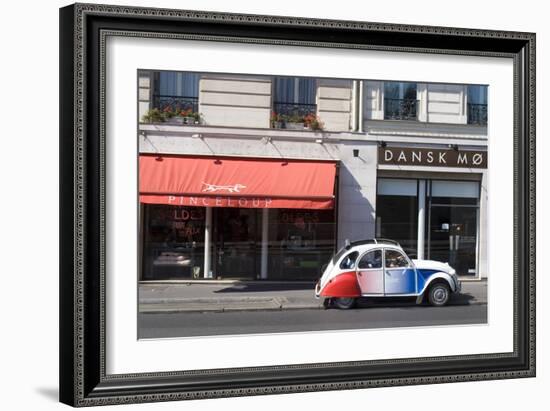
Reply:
x=397 y=213
x=453 y=224
x=237 y=242
x=173 y=246
x=301 y=242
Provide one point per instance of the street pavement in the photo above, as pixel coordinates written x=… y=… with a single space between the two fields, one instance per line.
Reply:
x=203 y=297
x=194 y=324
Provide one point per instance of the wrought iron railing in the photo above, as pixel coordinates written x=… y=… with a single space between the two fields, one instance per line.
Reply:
x=477 y=114
x=294 y=110
x=178 y=103
x=400 y=109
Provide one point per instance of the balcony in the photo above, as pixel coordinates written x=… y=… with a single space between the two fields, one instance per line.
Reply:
x=176 y=103
x=477 y=114
x=180 y=110
x=400 y=109
x=295 y=116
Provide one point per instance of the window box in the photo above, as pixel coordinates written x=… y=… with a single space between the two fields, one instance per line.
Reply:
x=295 y=126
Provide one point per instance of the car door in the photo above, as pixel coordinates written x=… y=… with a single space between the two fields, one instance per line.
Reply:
x=399 y=273
x=370 y=273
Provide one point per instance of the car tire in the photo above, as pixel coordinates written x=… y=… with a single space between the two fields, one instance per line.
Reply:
x=344 y=303
x=439 y=294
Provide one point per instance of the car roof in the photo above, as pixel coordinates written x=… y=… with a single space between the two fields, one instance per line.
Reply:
x=370 y=246
x=365 y=245
x=374 y=241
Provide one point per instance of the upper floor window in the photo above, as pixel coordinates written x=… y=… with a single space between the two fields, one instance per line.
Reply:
x=176 y=90
x=400 y=102
x=477 y=105
x=294 y=96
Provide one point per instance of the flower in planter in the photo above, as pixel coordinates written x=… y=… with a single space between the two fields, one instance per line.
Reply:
x=190 y=115
x=313 y=122
x=276 y=119
x=167 y=112
x=295 y=118
x=153 y=116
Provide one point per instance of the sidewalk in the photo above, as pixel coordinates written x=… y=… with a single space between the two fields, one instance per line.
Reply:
x=257 y=295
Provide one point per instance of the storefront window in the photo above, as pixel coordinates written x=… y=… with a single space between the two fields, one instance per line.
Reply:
x=301 y=243
x=451 y=219
x=453 y=224
x=173 y=242
x=397 y=212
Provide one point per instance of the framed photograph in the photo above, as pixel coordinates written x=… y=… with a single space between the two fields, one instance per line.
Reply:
x=265 y=204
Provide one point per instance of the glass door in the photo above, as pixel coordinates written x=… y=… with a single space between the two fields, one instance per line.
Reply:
x=237 y=242
x=453 y=225
x=397 y=212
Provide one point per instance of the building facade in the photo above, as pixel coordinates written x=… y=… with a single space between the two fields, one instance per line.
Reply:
x=262 y=177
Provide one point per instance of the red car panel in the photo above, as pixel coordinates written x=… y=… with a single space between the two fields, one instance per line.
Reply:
x=343 y=285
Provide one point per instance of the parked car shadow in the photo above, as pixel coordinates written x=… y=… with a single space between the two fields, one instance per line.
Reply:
x=384 y=302
x=267 y=287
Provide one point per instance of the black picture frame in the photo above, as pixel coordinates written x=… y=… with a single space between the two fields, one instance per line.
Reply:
x=83 y=381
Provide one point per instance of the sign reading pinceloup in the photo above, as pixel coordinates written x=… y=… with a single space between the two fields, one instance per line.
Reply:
x=236 y=182
x=407 y=156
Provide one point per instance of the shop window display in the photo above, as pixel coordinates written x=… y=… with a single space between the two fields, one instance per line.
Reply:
x=173 y=242
x=300 y=243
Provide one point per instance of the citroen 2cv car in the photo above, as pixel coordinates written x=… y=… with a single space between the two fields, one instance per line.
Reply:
x=380 y=268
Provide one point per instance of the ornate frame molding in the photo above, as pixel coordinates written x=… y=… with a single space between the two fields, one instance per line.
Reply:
x=82 y=335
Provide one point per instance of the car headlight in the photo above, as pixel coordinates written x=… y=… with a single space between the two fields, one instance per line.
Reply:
x=451 y=271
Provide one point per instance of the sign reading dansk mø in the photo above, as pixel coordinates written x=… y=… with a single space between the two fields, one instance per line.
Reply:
x=432 y=157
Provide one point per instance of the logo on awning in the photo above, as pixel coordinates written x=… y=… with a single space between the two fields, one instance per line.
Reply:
x=213 y=188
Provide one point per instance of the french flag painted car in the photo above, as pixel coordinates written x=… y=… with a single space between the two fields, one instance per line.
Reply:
x=380 y=268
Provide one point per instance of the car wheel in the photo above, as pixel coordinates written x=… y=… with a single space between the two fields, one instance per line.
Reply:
x=327 y=303
x=439 y=294
x=344 y=303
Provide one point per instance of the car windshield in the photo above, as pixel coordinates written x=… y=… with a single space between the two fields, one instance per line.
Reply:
x=339 y=254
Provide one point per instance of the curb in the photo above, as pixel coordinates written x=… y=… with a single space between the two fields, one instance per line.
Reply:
x=169 y=310
x=154 y=308
x=218 y=282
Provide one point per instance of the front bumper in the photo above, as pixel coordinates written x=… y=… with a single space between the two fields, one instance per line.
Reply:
x=458 y=285
x=318 y=290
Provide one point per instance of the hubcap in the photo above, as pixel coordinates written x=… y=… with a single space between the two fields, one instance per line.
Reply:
x=344 y=302
x=440 y=294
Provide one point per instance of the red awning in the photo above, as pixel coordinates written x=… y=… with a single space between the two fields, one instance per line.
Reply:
x=236 y=182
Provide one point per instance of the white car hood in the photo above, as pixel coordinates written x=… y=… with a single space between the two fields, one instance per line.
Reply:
x=433 y=265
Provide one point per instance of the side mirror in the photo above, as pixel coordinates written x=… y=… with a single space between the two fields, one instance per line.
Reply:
x=347 y=244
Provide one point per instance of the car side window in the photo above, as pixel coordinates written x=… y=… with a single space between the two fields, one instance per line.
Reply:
x=372 y=259
x=396 y=259
x=349 y=260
